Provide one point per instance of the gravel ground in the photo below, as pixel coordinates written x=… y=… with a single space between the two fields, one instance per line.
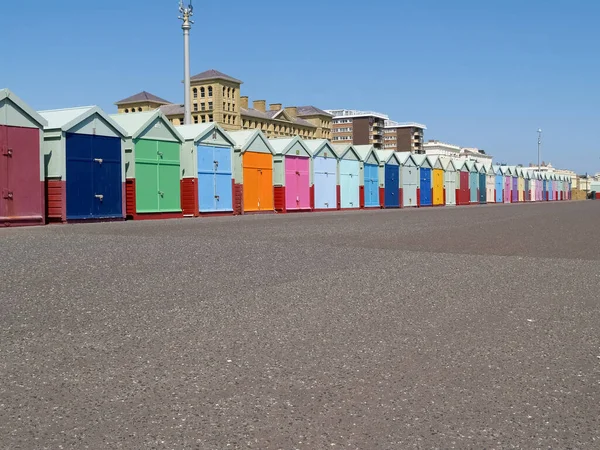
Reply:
x=469 y=327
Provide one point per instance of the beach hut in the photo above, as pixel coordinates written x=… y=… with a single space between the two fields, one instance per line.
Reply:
x=389 y=172
x=349 y=177
x=206 y=169
x=83 y=153
x=252 y=172
x=498 y=184
x=21 y=163
x=473 y=182
x=437 y=181
x=463 y=196
x=450 y=179
x=507 y=195
x=550 y=185
x=324 y=190
x=291 y=174
x=526 y=182
x=482 y=187
x=153 y=165
x=369 y=196
x=424 y=188
x=531 y=191
x=514 y=184
x=409 y=180
x=490 y=178
x=520 y=184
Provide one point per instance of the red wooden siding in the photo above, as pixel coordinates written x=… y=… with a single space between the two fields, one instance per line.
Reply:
x=279 y=198
x=238 y=199
x=130 y=207
x=361 y=197
x=55 y=200
x=381 y=197
x=189 y=197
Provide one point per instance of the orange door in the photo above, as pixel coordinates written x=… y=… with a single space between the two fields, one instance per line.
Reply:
x=438 y=187
x=258 y=181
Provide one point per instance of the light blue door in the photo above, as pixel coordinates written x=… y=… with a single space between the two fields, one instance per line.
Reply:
x=325 y=182
x=409 y=183
x=473 y=187
x=499 y=187
x=371 y=172
x=349 y=183
x=214 y=179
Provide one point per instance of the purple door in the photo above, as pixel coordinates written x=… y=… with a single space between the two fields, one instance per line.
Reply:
x=22 y=193
x=515 y=190
x=297 y=182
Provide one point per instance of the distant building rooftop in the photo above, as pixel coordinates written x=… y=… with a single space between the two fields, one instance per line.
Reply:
x=348 y=113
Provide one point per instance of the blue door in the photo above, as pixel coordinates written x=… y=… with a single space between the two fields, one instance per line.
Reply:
x=482 y=188
x=544 y=190
x=392 y=186
x=80 y=181
x=214 y=179
x=526 y=196
x=349 y=183
x=371 y=185
x=425 y=186
x=499 y=187
x=473 y=187
x=107 y=176
x=324 y=181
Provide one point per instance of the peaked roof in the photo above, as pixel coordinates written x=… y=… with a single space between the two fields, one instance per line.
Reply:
x=364 y=151
x=213 y=74
x=403 y=157
x=171 y=109
x=386 y=155
x=342 y=149
x=142 y=97
x=250 y=112
x=67 y=118
x=197 y=131
x=316 y=145
x=282 y=145
x=305 y=111
x=7 y=93
x=135 y=123
x=243 y=138
x=421 y=159
x=447 y=163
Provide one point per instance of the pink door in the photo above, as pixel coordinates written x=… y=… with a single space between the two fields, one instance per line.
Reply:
x=297 y=182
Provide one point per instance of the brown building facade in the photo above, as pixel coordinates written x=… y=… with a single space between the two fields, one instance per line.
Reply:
x=357 y=127
x=404 y=137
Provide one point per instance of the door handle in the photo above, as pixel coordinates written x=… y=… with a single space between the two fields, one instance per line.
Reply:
x=159 y=154
x=217 y=197
x=8 y=152
x=7 y=194
x=99 y=197
x=98 y=160
x=161 y=193
x=297 y=173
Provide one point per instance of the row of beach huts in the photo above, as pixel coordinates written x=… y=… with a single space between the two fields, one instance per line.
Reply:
x=82 y=164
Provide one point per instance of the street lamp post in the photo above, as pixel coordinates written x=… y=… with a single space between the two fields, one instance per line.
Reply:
x=186 y=13
x=539 y=145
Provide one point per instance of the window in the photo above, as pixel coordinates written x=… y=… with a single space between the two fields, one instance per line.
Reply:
x=202 y=91
x=195 y=119
x=203 y=118
x=228 y=106
x=223 y=106
x=210 y=117
x=195 y=91
x=232 y=92
x=210 y=91
x=228 y=92
x=210 y=106
x=139 y=109
x=233 y=106
x=195 y=106
x=223 y=91
x=202 y=106
x=126 y=110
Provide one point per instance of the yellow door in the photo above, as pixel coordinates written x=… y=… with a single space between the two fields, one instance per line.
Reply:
x=438 y=187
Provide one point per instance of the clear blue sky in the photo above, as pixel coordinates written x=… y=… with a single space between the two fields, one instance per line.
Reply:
x=477 y=73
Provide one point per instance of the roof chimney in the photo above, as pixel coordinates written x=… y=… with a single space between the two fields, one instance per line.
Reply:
x=244 y=101
x=292 y=111
x=259 y=105
x=275 y=106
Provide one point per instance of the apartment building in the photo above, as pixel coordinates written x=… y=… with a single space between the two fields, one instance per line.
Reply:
x=404 y=136
x=357 y=127
x=438 y=148
x=216 y=98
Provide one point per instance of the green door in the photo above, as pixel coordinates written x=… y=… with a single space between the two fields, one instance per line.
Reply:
x=168 y=177
x=146 y=176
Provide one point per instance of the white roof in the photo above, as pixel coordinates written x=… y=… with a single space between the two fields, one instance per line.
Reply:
x=281 y=145
x=385 y=155
x=7 y=93
x=135 y=123
x=365 y=150
x=243 y=138
x=394 y=124
x=315 y=145
x=446 y=162
x=340 y=113
x=196 y=131
x=66 y=118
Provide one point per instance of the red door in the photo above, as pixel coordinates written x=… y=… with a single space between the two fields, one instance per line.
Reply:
x=22 y=193
x=465 y=198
